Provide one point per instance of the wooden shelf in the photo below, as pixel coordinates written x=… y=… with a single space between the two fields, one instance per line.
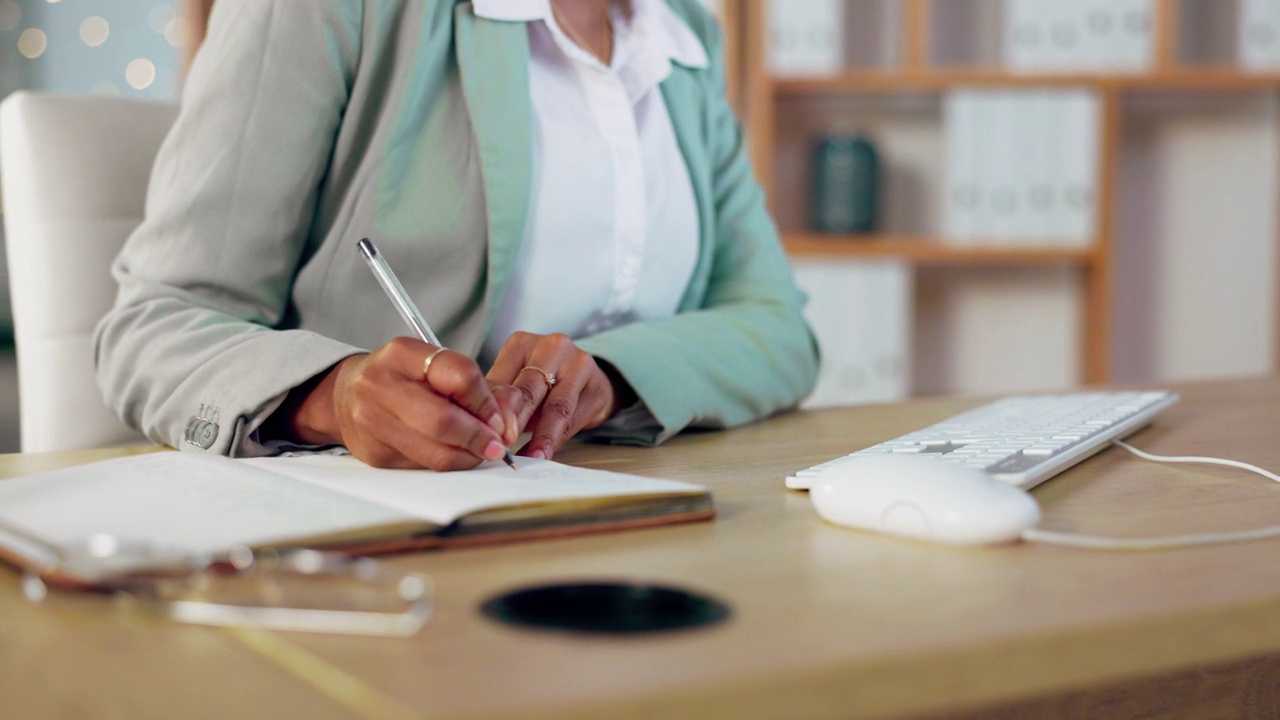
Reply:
x=939 y=79
x=931 y=250
x=771 y=101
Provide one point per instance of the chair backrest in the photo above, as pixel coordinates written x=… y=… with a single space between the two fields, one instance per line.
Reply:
x=73 y=173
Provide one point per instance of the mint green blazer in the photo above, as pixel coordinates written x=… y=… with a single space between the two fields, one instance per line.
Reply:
x=307 y=125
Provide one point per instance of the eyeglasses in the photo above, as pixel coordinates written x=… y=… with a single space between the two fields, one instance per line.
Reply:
x=303 y=589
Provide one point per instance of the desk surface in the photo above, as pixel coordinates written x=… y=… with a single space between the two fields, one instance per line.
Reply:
x=827 y=622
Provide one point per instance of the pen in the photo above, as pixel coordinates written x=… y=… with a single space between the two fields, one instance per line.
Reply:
x=404 y=304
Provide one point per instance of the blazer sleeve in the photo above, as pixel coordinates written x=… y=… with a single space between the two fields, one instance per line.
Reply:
x=747 y=352
x=189 y=353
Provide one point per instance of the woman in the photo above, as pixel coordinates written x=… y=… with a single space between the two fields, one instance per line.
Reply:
x=560 y=186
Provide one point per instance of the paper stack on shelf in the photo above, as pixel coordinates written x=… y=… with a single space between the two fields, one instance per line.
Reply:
x=1259 y=34
x=861 y=313
x=805 y=37
x=1021 y=166
x=1078 y=35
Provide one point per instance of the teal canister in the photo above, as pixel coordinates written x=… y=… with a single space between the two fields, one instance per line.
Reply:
x=846 y=180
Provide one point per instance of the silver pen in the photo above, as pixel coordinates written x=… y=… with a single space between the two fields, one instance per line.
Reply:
x=404 y=305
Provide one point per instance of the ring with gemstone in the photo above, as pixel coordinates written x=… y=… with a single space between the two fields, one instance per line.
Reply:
x=550 y=377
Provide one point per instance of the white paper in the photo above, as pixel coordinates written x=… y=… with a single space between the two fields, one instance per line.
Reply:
x=205 y=503
x=445 y=497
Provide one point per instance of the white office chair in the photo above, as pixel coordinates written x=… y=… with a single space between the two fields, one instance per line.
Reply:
x=74 y=172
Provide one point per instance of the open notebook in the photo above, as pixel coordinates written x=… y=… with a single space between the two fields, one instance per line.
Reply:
x=208 y=504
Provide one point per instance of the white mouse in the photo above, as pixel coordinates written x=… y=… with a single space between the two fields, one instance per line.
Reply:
x=922 y=497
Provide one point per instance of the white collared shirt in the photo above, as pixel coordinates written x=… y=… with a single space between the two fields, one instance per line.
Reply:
x=612 y=233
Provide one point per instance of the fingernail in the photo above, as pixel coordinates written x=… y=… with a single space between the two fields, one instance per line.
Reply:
x=494 y=450
x=539 y=454
x=495 y=422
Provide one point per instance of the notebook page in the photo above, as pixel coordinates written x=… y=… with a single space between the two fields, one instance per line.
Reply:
x=445 y=497
x=198 y=502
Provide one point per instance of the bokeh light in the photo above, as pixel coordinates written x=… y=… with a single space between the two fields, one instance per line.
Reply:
x=173 y=32
x=33 y=42
x=94 y=31
x=122 y=47
x=140 y=74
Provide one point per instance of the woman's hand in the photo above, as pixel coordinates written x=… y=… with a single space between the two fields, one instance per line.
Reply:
x=564 y=389
x=388 y=414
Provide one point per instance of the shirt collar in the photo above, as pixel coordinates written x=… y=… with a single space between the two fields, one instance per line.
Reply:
x=677 y=40
x=682 y=45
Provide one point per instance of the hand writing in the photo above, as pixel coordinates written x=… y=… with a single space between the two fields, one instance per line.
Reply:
x=581 y=397
x=387 y=414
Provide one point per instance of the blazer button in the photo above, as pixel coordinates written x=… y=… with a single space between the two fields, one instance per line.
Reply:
x=208 y=434
x=201 y=432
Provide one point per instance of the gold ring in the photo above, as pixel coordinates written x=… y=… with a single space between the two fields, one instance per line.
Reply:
x=426 y=364
x=548 y=376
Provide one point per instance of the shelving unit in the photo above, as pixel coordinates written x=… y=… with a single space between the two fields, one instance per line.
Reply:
x=913 y=74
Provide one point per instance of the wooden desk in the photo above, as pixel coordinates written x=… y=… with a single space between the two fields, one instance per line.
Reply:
x=828 y=623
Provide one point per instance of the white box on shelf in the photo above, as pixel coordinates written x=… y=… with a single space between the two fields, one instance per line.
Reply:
x=806 y=37
x=1043 y=166
x=998 y=216
x=1030 y=158
x=1259 y=34
x=986 y=142
x=1079 y=35
x=862 y=314
x=1133 y=44
x=1099 y=33
x=1022 y=166
x=1026 y=34
x=1064 y=23
x=960 y=137
x=1078 y=155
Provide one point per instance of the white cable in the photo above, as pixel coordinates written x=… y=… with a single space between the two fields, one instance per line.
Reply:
x=1104 y=543
x=1193 y=459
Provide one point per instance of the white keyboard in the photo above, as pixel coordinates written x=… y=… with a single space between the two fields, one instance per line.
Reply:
x=1023 y=439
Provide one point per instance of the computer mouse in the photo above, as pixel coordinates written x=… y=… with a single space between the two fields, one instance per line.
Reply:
x=921 y=497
